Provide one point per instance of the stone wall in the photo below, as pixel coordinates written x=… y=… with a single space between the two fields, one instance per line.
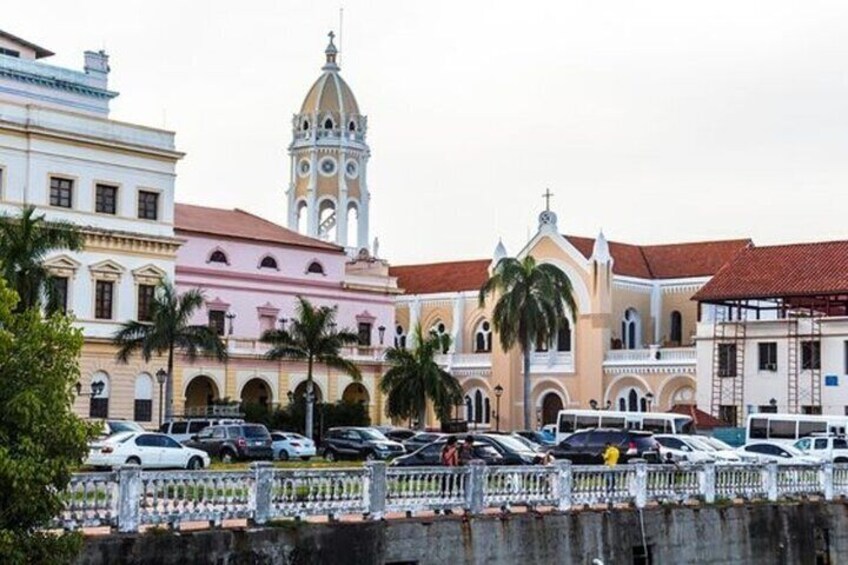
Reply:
x=752 y=533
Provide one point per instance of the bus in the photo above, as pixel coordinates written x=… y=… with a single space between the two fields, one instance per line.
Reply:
x=787 y=428
x=569 y=421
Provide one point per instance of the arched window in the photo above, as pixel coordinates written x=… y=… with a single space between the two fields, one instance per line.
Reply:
x=328 y=124
x=268 y=262
x=564 y=337
x=351 y=126
x=632 y=400
x=478 y=408
x=483 y=337
x=218 y=256
x=400 y=337
x=143 y=406
x=439 y=329
x=469 y=409
x=631 y=329
x=305 y=125
x=98 y=406
x=302 y=219
x=315 y=268
x=676 y=328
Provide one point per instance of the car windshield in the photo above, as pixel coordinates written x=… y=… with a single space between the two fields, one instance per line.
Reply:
x=698 y=443
x=120 y=437
x=372 y=434
x=255 y=431
x=512 y=443
x=717 y=443
x=792 y=450
x=120 y=426
x=527 y=442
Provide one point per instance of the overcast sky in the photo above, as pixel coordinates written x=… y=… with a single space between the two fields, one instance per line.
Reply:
x=658 y=121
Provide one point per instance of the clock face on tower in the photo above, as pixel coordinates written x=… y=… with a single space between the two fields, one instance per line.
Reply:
x=328 y=166
x=303 y=168
x=351 y=169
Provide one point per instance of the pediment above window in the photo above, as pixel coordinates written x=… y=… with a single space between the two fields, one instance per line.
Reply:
x=107 y=270
x=149 y=274
x=62 y=266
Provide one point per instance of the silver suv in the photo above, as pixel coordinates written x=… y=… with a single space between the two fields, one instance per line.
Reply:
x=183 y=430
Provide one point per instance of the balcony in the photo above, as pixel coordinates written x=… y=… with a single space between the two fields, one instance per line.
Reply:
x=246 y=346
x=653 y=357
x=466 y=362
x=551 y=362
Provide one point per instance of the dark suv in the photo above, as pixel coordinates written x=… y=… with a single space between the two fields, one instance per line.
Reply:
x=234 y=441
x=358 y=443
x=586 y=447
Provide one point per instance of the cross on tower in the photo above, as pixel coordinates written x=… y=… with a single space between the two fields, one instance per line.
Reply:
x=331 y=35
x=547 y=196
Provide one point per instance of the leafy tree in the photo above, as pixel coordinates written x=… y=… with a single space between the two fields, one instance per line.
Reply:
x=25 y=241
x=415 y=378
x=530 y=309
x=313 y=338
x=169 y=331
x=41 y=440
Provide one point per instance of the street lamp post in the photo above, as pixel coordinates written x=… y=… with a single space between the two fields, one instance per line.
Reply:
x=650 y=398
x=382 y=331
x=231 y=316
x=161 y=377
x=498 y=393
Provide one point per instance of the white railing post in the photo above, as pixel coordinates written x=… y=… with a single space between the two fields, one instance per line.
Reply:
x=562 y=484
x=475 y=490
x=707 y=481
x=771 y=480
x=641 y=484
x=262 y=491
x=826 y=479
x=377 y=490
x=129 y=487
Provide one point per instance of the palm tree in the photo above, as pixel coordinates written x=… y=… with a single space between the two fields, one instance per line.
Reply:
x=415 y=378
x=530 y=308
x=168 y=331
x=25 y=241
x=312 y=337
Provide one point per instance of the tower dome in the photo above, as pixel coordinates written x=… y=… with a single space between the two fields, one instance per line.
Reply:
x=328 y=193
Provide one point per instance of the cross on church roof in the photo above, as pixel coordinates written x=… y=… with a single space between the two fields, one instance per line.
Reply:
x=331 y=35
x=547 y=196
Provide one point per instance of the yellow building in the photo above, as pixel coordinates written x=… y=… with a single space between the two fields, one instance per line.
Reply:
x=630 y=345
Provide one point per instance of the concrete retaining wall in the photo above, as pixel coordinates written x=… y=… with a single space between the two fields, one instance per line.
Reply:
x=755 y=533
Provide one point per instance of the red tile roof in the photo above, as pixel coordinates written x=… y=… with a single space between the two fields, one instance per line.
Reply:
x=703 y=420
x=442 y=277
x=239 y=224
x=801 y=269
x=667 y=261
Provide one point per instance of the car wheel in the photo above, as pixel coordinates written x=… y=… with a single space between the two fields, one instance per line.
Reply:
x=330 y=455
x=227 y=456
x=283 y=455
x=195 y=464
x=133 y=461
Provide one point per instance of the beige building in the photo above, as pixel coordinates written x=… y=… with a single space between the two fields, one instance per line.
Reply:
x=630 y=345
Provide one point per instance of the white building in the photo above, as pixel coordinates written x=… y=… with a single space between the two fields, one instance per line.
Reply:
x=60 y=152
x=773 y=335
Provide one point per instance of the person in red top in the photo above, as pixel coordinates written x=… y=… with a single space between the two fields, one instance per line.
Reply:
x=450 y=453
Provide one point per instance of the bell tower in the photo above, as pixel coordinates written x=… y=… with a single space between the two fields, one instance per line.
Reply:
x=328 y=194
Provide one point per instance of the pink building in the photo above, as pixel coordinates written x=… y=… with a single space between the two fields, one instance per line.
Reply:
x=252 y=271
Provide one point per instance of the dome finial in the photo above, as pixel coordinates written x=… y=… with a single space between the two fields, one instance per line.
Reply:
x=331 y=53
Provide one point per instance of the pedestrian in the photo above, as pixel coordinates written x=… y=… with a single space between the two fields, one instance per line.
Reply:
x=466 y=452
x=449 y=458
x=611 y=454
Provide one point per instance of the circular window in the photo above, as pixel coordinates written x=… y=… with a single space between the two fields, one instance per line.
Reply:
x=328 y=166
x=351 y=169
x=486 y=326
x=303 y=167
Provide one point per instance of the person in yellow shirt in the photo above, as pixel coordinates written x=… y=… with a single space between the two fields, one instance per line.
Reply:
x=611 y=454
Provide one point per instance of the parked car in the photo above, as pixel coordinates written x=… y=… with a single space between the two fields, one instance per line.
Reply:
x=150 y=450
x=431 y=455
x=112 y=427
x=779 y=452
x=358 y=443
x=513 y=450
x=182 y=430
x=586 y=447
x=288 y=445
x=683 y=448
x=726 y=449
x=231 y=442
x=421 y=439
x=828 y=447
x=538 y=437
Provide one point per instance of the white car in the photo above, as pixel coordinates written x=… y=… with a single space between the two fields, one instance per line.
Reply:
x=288 y=445
x=779 y=452
x=728 y=451
x=682 y=448
x=146 y=449
x=828 y=447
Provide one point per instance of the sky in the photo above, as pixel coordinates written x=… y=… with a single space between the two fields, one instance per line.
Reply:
x=657 y=121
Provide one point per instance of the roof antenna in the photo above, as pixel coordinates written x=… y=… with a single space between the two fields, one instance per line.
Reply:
x=341 y=24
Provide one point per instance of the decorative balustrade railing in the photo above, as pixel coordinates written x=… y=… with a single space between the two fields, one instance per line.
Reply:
x=130 y=498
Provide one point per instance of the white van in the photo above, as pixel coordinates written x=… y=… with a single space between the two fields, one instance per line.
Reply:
x=183 y=430
x=788 y=428
x=569 y=421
